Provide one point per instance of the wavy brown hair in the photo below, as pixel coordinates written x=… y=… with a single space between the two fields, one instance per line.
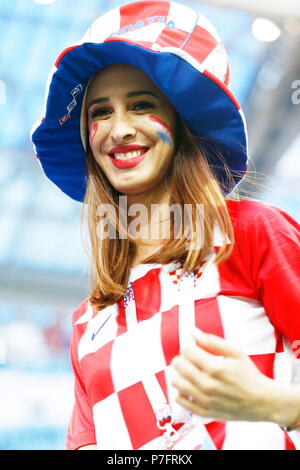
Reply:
x=189 y=180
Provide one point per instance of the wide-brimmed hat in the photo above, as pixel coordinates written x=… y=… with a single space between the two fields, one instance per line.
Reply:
x=179 y=49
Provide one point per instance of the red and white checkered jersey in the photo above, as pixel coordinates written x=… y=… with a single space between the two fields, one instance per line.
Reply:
x=121 y=355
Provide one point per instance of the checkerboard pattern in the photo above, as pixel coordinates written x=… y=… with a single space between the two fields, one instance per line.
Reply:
x=244 y=300
x=176 y=276
x=173 y=27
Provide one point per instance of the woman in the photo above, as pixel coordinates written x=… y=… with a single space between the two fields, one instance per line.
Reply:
x=189 y=337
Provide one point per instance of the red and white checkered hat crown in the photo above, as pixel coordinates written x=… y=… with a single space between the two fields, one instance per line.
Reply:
x=165 y=27
x=181 y=52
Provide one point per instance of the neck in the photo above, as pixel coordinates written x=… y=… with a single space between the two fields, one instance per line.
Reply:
x=158 y=196
x=155 y=206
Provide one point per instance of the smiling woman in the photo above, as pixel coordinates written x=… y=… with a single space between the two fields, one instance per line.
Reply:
x=147 y=88
x=130 y=127
x=146 y=153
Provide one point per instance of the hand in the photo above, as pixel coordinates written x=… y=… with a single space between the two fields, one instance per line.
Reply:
x=216 y=380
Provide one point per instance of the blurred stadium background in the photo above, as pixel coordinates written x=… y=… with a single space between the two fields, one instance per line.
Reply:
x=43 y=265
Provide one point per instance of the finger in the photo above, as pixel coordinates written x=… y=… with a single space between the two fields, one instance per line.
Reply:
x=191 y=406
x=187 y=389
x=202 y=360
x=215 y=344
x=188 y=371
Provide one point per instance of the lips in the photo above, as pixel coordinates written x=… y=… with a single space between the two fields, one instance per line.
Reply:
x=125 y=149
x=129 y=162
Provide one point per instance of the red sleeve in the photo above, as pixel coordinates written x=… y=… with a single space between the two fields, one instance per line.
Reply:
x=81 y=429
x=271 y=239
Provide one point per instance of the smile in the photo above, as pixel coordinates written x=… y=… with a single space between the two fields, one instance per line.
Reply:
x=127 y=155
x=128 y=159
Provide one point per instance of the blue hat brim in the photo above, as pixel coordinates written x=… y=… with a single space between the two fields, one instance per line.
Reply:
x=203 y=104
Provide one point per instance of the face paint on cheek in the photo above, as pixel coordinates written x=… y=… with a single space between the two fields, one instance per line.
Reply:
x=163 y=130
x=92 y=132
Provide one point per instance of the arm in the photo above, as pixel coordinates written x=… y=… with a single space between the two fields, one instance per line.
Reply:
x=81 y=431
x=233 y=388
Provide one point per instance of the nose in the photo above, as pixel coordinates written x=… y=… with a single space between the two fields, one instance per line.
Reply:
x=122 y=128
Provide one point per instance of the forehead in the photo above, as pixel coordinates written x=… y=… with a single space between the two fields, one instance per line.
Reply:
x=120 y=77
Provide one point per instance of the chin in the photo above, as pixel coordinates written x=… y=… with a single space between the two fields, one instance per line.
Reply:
x=135 y=188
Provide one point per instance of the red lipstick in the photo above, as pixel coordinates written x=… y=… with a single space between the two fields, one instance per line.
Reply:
x=130 y=162
x=126 y=148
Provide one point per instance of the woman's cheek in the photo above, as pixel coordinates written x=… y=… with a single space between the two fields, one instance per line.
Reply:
x=92 y=133
x=162 y=129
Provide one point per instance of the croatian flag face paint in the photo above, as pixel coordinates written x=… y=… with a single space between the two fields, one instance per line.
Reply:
x=92 y=132
x=163 y=130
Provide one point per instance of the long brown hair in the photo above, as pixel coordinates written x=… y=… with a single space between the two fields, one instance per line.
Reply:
x=189 y=180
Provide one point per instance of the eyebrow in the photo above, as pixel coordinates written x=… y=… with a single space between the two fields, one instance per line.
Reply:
x=131 y=94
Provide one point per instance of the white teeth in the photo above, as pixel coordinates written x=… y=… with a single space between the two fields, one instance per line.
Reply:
x=125 y=156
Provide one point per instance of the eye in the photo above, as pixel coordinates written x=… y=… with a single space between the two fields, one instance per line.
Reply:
x=100 y=112
x=143 y=105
